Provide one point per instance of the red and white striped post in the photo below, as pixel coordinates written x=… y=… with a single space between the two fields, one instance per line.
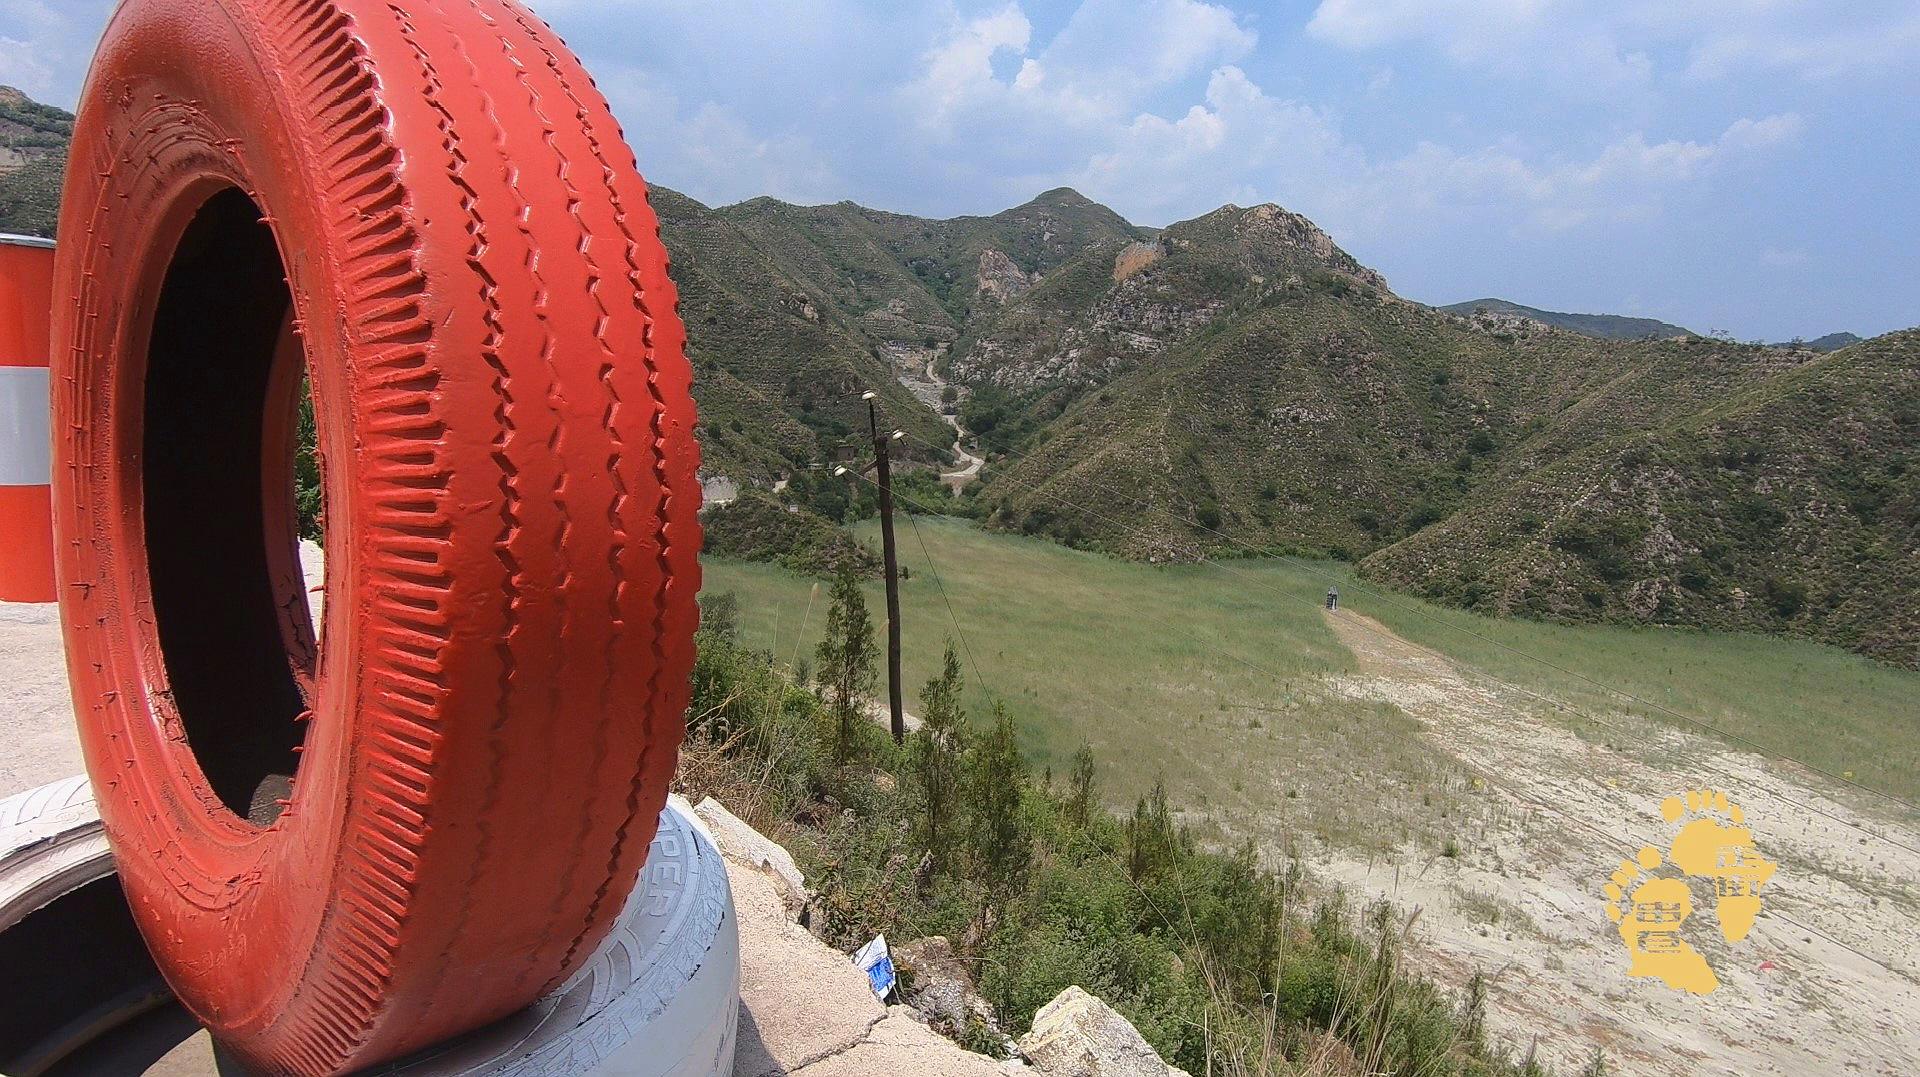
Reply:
x=26 y=494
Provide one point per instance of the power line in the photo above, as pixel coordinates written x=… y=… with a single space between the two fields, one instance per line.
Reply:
x=1556 y=704
x=1465 y=630
x=1203 y=644
x=934 y=567
x=1517 y=794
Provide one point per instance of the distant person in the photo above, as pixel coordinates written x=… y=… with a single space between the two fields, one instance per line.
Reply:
x=1333 y=598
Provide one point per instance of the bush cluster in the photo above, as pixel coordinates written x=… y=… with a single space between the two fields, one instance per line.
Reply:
x=757 y=527
x=1224 y=965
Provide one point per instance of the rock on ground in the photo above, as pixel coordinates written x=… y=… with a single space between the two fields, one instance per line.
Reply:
x=1077 y=1035
x=935 y=982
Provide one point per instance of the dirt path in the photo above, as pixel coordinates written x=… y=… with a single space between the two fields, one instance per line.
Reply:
x=1563 y=812
x=956 y=479
x=915 y=368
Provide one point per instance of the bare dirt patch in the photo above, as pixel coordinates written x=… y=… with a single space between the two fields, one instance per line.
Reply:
x=1827 y=982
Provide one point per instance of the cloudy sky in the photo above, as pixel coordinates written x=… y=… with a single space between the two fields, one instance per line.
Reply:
x=1739 y=165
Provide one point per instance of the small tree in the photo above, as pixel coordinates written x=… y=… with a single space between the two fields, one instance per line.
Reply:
x=1151 y=845
x=846 y=660
x=995 y=781
x=1082 y=796
x=939 y=759
x=720 y=616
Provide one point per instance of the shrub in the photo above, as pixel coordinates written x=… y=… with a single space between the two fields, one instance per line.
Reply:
x=939 y=750
x=1212 y=957
x=759 y=528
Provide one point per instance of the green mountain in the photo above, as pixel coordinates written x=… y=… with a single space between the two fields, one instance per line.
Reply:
x=793 y=311
x=1789 y=504
x=33 y=163
x=780 y=362
x=1238 y=381
x=1832 y=342
x=1604 y=326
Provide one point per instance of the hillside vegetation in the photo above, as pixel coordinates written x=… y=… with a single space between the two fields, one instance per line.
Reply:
x=1205 y=674
x=1239 y=382
x=792 y=312
x=1223 y=964
x=33 y=163
x=1792 y=503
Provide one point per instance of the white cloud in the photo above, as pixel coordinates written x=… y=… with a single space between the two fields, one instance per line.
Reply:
x=44 y=47
x=1243 y=144
x=713 y=142
x=1596 y=47
x=1508 y=37
x=1117 y=50
x=1111 y=56
x=960 y=68
x=23 y=65
x=1818 y=52
x=1625 y=180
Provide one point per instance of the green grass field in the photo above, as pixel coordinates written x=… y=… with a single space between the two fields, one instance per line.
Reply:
x=1211 y=677
x=1830 y=708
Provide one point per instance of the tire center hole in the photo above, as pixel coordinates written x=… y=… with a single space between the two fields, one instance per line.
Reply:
x=223 y=483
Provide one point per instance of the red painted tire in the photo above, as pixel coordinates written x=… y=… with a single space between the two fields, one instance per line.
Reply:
x=485 y=734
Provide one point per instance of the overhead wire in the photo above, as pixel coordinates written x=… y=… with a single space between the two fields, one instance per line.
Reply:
x=1544 y=699
x=1394 y=601
x=1507 y=684
x=934 y=567
x=1556 y=704
x=1490 y=779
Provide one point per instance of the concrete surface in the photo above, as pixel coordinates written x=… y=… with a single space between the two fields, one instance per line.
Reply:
x=38 y=740
x=36 y=710
x=741 y=843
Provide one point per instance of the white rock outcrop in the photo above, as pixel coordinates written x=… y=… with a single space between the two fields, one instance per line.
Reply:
x=1077 y=1035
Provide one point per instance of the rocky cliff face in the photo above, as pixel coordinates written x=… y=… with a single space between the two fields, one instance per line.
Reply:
x=1000 y=281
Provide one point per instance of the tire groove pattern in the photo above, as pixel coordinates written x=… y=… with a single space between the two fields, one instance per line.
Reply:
x=610 y=402
x=663 y=513
x=330 y=69
x=493 y=351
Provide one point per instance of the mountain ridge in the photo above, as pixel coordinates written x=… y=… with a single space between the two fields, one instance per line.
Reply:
x=1603 y=326
x=1238 y=381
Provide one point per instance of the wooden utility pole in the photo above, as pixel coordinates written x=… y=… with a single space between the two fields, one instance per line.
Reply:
x=881 y=445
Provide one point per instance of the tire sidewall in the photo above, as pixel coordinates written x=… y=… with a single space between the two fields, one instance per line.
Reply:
x=177 y=110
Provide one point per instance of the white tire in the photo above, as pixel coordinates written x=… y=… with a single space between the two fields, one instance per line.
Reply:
x=660 y=998
x=51 y=844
